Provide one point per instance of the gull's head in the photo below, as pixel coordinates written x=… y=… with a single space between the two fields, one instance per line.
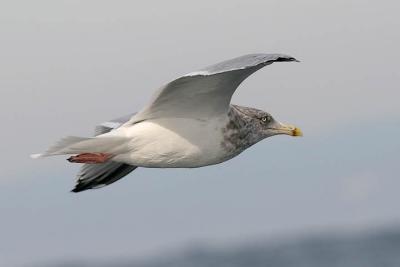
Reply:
x=264 y=124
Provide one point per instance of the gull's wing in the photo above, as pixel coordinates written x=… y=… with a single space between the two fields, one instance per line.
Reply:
x=93 y=176
x=205 y=93
x=110 y=125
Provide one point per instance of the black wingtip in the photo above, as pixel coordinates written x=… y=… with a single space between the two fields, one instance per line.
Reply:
x=286 y=59
x=75 y=190
x=80 y=187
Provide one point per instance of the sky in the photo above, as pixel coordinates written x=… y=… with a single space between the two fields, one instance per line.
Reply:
x=67 y=65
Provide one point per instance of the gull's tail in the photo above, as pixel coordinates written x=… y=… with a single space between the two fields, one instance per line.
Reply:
x=77 y=145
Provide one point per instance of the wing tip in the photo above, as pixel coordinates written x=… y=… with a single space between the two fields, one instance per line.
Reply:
x=285 y=58
x=242 y=62
x=77 y=190
x=79 y=187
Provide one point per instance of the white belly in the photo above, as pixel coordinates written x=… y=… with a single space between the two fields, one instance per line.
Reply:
x=174 y=143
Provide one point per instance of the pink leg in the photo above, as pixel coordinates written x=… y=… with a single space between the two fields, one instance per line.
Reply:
x=90 y=158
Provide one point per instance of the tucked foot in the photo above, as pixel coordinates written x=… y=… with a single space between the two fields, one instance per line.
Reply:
x=90 y=158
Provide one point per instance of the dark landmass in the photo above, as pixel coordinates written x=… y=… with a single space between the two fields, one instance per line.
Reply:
x=358 y=250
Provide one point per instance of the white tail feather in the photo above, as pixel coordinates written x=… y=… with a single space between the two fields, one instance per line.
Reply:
x=77 y=145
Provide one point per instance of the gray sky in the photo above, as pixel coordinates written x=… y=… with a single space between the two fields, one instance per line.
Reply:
x=67 y=65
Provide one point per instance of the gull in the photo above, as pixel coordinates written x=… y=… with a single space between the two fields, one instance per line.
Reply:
x=189 y=123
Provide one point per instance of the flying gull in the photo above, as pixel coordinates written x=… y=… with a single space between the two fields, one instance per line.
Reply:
x=189 y=123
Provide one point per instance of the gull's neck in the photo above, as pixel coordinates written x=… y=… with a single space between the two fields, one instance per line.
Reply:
x=240 y=131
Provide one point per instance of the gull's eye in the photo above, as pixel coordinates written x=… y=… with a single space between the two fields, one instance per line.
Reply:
x=265 y=119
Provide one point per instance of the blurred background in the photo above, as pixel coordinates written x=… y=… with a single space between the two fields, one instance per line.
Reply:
x=328 y=199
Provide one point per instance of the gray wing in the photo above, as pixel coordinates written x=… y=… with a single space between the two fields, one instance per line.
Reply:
x=110 y=125
x=92 y=176
x=206 y=93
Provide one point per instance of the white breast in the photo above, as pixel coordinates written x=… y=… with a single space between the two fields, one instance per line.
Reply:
x=174 y=143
